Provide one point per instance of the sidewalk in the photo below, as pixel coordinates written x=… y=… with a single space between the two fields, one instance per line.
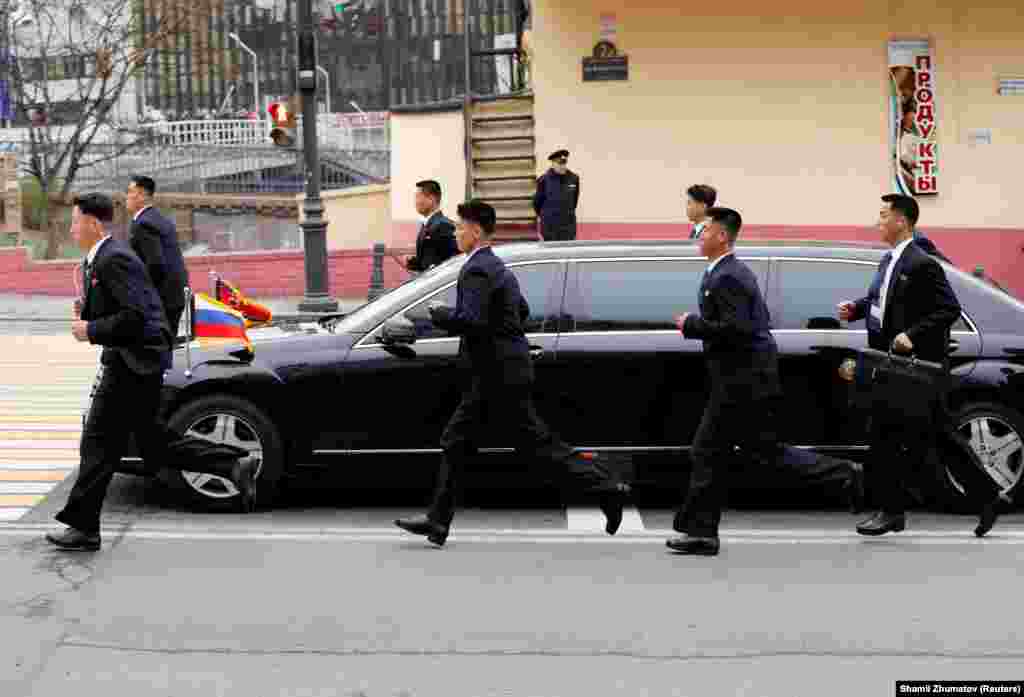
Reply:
x=48 y=308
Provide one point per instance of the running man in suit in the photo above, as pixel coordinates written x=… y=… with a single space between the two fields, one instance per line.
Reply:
x=121 y=312
x=494 y=353
x=742 y=361
x=910 y=308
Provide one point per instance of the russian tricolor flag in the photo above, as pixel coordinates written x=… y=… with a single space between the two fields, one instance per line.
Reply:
x=214 y=322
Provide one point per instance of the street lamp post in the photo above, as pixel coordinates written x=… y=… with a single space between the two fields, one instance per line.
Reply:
x=255 y=72
x=327 y=87
x=314 y=227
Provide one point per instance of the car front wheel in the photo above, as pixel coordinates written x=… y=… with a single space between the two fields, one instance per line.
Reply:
x=230 y=420
x=996 y=435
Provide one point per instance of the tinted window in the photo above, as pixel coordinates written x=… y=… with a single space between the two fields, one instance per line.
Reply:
x=637 y=295
x=810 y=291
x=540 y=284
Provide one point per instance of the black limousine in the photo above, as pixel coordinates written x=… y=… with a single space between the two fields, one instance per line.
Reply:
x=614 y=375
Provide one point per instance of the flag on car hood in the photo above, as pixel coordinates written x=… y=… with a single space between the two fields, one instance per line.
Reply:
x=253 y=312
x=216 y=323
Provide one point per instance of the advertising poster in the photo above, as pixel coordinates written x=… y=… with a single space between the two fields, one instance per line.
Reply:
x=913 y=123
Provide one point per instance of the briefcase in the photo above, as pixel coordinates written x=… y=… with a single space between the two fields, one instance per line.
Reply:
x=904 y=389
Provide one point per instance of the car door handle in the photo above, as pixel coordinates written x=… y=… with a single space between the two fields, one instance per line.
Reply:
x=536 y=352
x=954 y=345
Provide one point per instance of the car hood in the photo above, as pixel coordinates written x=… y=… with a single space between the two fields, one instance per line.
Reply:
x=272 y=346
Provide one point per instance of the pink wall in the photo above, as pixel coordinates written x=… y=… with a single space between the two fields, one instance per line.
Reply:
x=264 y=274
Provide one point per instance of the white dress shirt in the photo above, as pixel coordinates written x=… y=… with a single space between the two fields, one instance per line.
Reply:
x=140 y=212
x=897 y=251
x=712 y=265
x=95 y=248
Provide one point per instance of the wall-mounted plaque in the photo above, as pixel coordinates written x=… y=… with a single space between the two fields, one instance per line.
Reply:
x=605 y=64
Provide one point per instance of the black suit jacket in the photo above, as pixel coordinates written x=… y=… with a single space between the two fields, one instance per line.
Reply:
x=124 y=312
x=435 y=243
x=155 y=239
x=489 y=315
x=735 y=326
x=920 y=302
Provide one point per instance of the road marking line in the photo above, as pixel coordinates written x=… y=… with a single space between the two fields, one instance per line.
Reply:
x=37 y=465
x=43 y=475
x=585 y=519
x=18 y=500
x=26 y=487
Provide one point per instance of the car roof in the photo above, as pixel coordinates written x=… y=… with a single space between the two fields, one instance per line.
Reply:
x=826 y=249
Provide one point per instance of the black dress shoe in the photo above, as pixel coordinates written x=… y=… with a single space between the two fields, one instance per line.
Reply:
x=987 y=517
x=422 y=525
x=244 y=476
x=691 y=544
x=74 y=540
x=881 y=523
x=855 y=488
x=612 y=504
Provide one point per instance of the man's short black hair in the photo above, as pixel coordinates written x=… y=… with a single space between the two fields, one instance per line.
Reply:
x=430 y=188
x=905 y=206
x=729 y=219
x=99 y=206
x=476 y=211
x=145 y=183
x=702 y=193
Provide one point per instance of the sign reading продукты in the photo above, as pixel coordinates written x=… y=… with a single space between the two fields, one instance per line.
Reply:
x=606 y=64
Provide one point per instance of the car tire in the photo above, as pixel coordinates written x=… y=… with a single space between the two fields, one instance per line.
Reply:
x=996 y=434
x=226 y=418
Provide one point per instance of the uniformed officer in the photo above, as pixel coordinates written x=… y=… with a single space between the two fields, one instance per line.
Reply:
x=558 y=194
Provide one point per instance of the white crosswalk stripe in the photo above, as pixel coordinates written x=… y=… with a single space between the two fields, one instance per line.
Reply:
x=44 y=388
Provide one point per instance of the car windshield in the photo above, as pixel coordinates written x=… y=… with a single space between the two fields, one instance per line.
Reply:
x=366 y=317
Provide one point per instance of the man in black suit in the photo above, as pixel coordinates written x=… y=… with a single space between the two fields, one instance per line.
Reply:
x=435 y=241
x=121 y=311
x=699 y=198
x=495 y=355
x=155 y=239
x=911 y=311
x=742 y=361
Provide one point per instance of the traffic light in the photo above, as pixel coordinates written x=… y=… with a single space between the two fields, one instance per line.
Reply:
x=283 y=132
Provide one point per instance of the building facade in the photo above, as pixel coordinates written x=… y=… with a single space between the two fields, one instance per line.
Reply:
x=784 y=109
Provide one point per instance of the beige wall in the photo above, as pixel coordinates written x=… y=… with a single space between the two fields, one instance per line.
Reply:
x=357 y=217
x=784 y=114
x=425 y=146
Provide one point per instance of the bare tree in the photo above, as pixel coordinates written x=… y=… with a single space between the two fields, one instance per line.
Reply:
x=71 y=66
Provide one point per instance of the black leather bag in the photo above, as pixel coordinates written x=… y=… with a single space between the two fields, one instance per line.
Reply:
x=903 y=389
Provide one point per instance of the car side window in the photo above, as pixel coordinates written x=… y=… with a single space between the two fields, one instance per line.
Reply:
x=809 y=292
x=540 y=284
x=625 y=295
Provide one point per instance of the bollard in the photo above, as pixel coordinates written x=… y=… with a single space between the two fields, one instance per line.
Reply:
x=377 y=274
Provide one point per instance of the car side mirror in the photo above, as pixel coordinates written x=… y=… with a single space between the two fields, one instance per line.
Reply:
x=398 y=331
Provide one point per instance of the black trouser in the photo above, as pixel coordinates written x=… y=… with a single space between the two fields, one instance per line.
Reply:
x=896 y=445
x=726 y=425
x=124 y=403
x=512 y=410
x=558 y=230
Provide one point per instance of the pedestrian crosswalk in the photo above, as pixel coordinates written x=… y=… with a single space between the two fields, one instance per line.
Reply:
x=44 y=387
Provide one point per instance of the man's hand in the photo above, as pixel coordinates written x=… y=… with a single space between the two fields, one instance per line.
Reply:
x=436 y=310
x=76 y=311
x=681 y=321
x=848 y=369
x=846 y=310
x=80 y=330
x=903 y=344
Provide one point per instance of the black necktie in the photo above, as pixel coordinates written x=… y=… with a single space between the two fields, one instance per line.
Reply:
x=875 y=291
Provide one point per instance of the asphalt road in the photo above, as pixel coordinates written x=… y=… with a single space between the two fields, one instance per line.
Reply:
x=322 y=596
